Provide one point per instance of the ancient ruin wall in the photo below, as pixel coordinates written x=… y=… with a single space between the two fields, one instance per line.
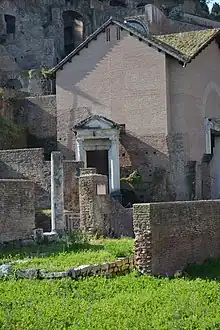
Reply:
x=30 y=164
x=99 y=213
x=38 y=115
x=168 y=236
x=17 y=211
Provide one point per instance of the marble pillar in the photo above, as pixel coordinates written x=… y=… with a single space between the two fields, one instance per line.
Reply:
x=80 y=152
x=57 y=197
x=114 y=165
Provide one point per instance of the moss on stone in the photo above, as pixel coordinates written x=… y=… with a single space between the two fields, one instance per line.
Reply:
x=188 y=43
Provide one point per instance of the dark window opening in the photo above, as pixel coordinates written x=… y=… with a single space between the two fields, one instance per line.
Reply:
x=73 y=30
x=10 y=24
x=118 y=33
x=119 y=3
x=108 y=34
x=212 y=142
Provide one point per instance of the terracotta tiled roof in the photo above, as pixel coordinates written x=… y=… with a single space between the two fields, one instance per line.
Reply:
x=188 y=43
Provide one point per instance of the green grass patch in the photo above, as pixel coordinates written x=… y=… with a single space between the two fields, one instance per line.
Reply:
x=45 y=211
x=130 y=302
x=127 y=302
x=63 y=255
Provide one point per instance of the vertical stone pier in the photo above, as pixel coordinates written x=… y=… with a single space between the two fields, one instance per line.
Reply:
x=57 y=198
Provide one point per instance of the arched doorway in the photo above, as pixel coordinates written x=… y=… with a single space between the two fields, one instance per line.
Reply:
x=73 y=30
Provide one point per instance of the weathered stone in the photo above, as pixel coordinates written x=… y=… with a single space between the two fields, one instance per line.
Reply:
x=38 y=235
x=32 y=273
x=52 y=275
x=112 y=219
x=27 y=242
x=6 y=270
x=57 y=195
x=51 y=237
x=105 y=269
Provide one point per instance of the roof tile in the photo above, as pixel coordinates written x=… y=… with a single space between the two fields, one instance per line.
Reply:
x=188 y=43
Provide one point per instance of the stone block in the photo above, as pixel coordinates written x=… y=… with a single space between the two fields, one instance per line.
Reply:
x=51 y=237
x=32 y=273
x=52 y=275
x=6 y=270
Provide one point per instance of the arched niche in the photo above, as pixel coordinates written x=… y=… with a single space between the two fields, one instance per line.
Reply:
x=10 y=22
x=73 y=24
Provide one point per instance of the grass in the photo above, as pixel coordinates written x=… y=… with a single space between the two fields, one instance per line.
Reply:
x=61 y=256
x=45 y=211
x=128 y=302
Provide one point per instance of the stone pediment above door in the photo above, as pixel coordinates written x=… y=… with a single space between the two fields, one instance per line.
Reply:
x=96 y=122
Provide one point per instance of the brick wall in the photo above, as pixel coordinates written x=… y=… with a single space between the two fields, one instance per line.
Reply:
x=127 y=94
x=168 y=236
x=38 y=115
x=16 y=209
x=30 y=164
x=99 y=213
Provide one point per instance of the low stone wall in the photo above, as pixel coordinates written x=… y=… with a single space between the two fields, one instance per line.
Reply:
x=17 y=211
x=30 y=164
x=99 y=213
x=108 y=269
x=168 y=236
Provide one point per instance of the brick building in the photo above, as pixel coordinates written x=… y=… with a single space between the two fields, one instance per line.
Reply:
x=163 y=90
